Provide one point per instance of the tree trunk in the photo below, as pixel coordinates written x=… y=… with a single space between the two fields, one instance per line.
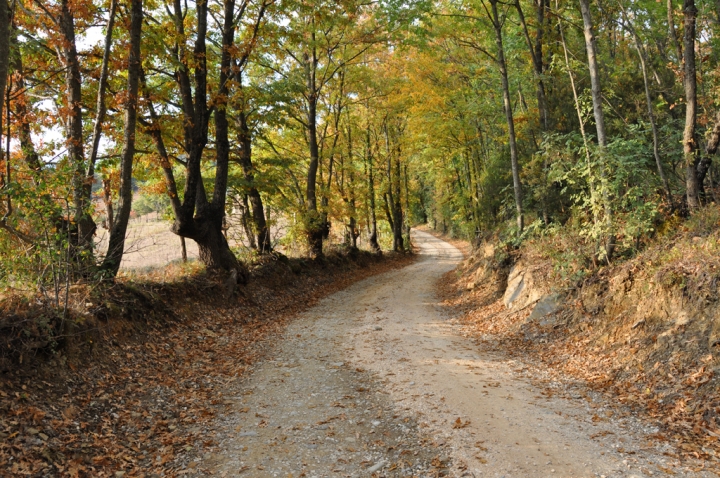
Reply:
x=388 y=214
x=107 y=199
x=213 y=248
x=517 y=186
x=596 y=92
x=594 y=69
x=206 y=228
x=197 y=116
x=536 y=55
x=689 y=134
x=672 y=34
x=197 y=218
x=246 y=224
x=73 y=86
x=371 y=192
x=116 y=244
x=352 y=201
x=651 y=114
x=222 y=142
x=4 y=91
x=407 y=204
x=100 y=106
x=153 y=129
x=581 y=122
x=32 y=159
x=183 y=249
x=258 y=212
x=314 y=222
x=393 y=208
x=710 y=149
x=398 y=243
x=4 y=51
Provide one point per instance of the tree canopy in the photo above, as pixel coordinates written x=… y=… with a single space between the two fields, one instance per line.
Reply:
x=351 y=121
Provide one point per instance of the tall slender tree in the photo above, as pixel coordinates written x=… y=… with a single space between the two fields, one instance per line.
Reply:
x=690 y=146
x=116 y=244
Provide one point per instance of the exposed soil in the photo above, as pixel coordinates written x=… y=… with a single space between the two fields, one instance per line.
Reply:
x=378 y=380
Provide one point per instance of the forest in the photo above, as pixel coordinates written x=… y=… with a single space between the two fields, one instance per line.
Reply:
x=351 y=121
x=186 y=184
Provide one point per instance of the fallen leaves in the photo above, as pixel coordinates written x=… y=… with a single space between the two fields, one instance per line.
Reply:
x=144 y=396
x=460 y=424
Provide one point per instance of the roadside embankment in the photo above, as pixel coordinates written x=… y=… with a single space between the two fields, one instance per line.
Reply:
x=645 y=332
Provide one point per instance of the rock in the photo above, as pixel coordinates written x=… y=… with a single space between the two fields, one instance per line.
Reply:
x=376 y=466
x=209 y=333
x=682 y=319
x=488 y=250
x=515 y=286
x=375 y=423
x=377 y=327
x=471 y=285
x=43 y=436
x=522 y=289
x=546 y=306
x=32 y=431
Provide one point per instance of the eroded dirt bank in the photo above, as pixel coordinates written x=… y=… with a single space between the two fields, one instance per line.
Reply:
x=377 y=380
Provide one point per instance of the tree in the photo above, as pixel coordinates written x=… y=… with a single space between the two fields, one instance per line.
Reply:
x=116 y=245
x=690 y=146
x=318 y=42
x=245 y=141
x=200 y=216
x=597 y=101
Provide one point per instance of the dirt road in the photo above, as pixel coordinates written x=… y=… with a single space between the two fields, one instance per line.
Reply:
x=377 y=380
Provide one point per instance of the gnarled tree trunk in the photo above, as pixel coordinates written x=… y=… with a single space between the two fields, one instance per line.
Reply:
x=213 y=248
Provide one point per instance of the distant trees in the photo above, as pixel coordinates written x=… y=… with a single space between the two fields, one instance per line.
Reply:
x=611 y=160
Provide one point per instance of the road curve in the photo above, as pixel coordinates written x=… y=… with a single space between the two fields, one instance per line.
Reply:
x=376 y=380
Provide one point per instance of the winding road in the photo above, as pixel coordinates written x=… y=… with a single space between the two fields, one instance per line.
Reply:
x=377 y=381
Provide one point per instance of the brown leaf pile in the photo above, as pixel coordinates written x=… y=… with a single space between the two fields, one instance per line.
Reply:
x=136 y=396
